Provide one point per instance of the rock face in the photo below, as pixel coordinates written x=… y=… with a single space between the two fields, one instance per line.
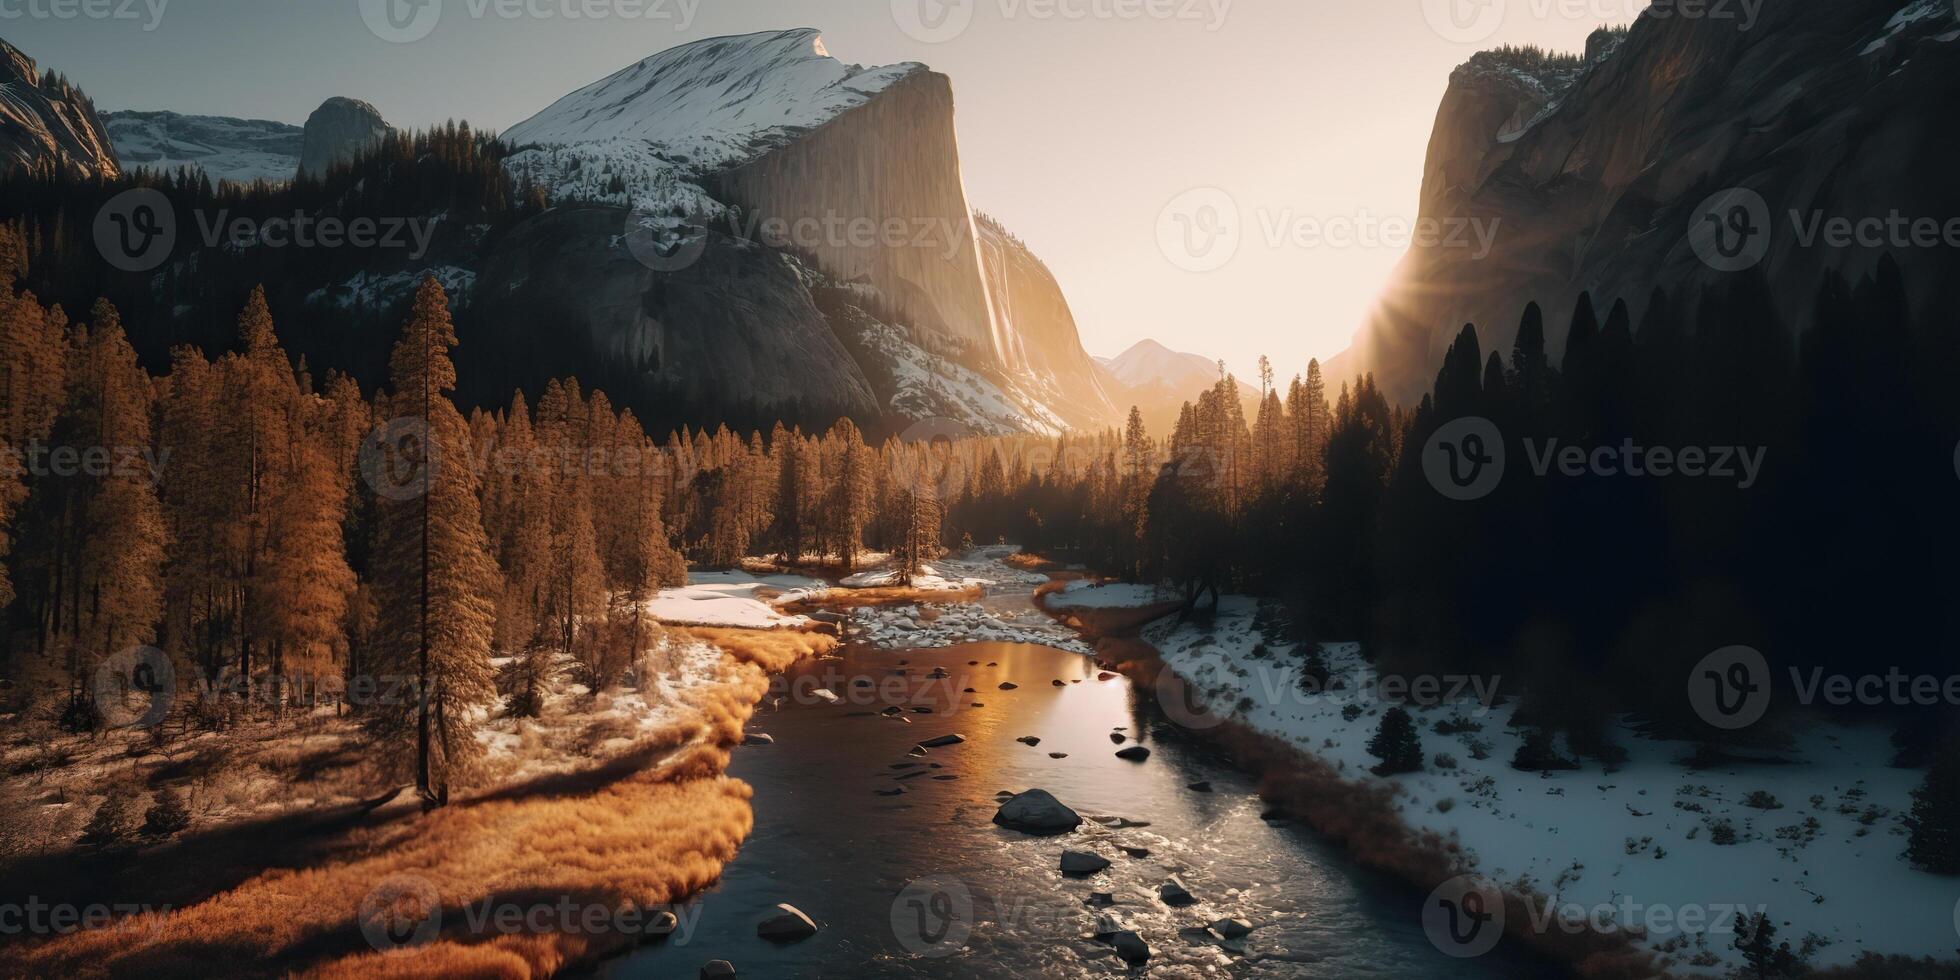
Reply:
x=733 y=329
x=238 y=150
x=46 y=121
x=1037 y=812
x=337 y=132
x=1594 y=169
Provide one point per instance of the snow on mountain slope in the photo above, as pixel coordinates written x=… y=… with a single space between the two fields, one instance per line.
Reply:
x=1150 y=364
x=238 y=150
x=712 y=104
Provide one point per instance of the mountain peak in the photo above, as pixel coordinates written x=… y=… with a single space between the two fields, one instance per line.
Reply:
x=713 y=103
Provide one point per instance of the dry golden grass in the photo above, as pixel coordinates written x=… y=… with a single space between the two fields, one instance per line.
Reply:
x=634 y=837
x=890 y=596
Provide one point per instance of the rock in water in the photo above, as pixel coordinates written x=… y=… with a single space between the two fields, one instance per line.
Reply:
x=1135 y=753
x=1082 y=863
x=1117 y=737
x=1029 y=740
x=1199 y=787
x=758 y=738
x=788 y=925
x=718 y=970
x=942 y=741
x=1107 y=926
x=1175 y=894
x=1232 y=928
x=1037 y=812
x=661 y=924
x=1131 y=948
x=1009 y=686
x=336 y=133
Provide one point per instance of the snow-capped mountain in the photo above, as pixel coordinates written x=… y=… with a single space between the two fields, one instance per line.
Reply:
x=44 y=120
x=713 y=104
x=1149 y=364
x=238 y=150
x=710 y=141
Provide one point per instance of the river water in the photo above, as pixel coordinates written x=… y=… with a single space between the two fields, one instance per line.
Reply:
x=923 y=884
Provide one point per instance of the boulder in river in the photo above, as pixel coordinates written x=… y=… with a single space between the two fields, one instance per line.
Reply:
x=1058 y=755
x=825 y=695
x=892 y=711
x=1135 y=852
x=1175 y=894
x=1029 y=740
x=787 y=925
x=1231 y=928
x=1202 y=787
x=718 y=970
x=1118 y=737
x=1135 y=753
x=1131 y=948
x=1009 y=686
x=1060 y=684
x=1107 y=926
x=1083 y=863
x=942 y=741
x=1105 y=676
x=758 y=738
x=1037 y=812
x=660 y=925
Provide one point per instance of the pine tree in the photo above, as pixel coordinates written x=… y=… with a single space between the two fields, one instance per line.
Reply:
x=1935 y=820
x=167 y=814
x=1397 y=744
x=435 y=577
x=108 y=830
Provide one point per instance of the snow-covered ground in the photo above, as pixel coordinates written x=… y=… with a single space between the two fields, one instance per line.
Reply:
x=1820 y=850
x=1086 y=594
x=734 y=599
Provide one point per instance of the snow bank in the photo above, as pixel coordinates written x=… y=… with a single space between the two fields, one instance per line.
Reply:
x=1084 y=594
x=1821 y=851
x=732 y=604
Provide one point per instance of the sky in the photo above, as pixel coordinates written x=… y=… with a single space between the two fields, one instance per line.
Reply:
x=1222 y=176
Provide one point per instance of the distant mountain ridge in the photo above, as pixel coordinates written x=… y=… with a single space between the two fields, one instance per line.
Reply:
x=237 y=150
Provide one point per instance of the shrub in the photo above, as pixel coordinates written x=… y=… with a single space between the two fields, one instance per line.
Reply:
x=1760 y=800
x=1721 y=833
x=108 y=828
x=1444 y=761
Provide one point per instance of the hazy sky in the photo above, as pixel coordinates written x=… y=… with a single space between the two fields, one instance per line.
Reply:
x=1080 y=121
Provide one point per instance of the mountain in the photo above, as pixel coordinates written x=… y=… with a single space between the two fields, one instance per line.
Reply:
x=765 y=139
x=44 y=120
x=1594 y=168
x=1158 y=381
x=238 y=150
x=337 y=132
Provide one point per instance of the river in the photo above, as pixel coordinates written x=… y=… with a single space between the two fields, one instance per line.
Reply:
x=923 y=884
